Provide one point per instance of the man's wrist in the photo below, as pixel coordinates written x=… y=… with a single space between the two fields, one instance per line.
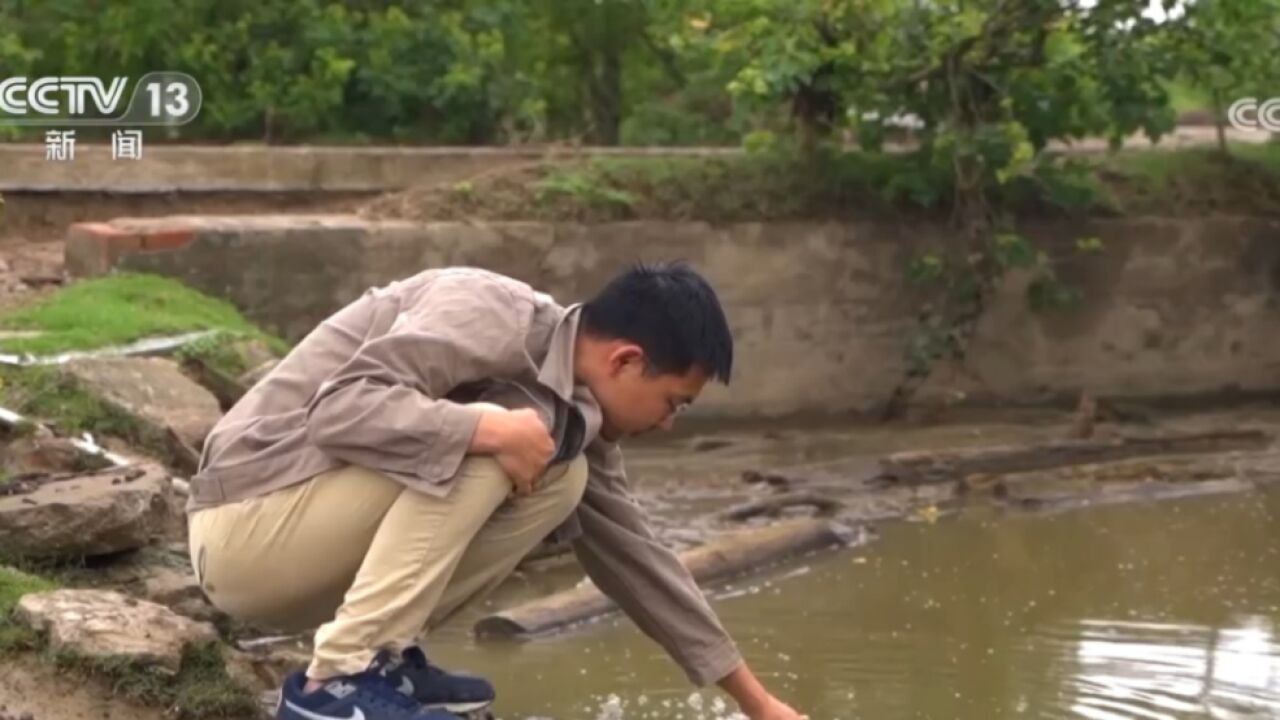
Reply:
x=746 y=690
x=487 y=438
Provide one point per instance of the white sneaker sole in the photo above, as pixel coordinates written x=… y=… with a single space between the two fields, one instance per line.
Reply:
x=462 y=708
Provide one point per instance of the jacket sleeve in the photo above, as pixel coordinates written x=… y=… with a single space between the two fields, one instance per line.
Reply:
x=623 y=558
x=384 y=408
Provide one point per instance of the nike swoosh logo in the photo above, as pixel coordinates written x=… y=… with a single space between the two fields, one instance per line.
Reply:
x=356 y=713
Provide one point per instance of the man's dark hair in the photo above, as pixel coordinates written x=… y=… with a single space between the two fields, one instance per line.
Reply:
x=670 y=311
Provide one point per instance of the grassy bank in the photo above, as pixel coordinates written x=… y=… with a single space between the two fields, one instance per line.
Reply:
x=113 y=311
x=777 y=186
x=54 y=396
x=117 y=310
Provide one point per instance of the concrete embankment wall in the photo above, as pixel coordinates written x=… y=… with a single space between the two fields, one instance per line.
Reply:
x=822 y=312
x=257 y=168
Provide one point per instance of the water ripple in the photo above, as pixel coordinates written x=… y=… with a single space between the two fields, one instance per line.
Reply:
x=1157 y=671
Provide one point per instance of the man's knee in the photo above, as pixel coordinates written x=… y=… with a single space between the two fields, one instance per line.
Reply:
x=565 y=482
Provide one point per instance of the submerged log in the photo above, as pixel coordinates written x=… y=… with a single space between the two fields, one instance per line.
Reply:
x=937 y=466
x=775 y=504
x=720 y=559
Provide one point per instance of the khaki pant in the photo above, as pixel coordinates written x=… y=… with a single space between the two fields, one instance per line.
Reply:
x=369 y=561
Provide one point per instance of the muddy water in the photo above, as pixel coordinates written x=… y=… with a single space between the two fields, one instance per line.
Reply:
x=1165 y=611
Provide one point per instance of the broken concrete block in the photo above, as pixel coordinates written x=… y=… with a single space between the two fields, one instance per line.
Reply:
x=154 y=391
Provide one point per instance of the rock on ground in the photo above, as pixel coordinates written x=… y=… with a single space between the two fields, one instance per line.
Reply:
x=154 y=391
x=86 y=516
x=179 y=590
x=106 y=624
x=36 y=454
x=268 y=666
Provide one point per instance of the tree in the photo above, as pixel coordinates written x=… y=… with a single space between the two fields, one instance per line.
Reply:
x=1230 y=49
x=991 y=83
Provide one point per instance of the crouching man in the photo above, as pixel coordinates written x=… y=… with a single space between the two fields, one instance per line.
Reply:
x=416 y=445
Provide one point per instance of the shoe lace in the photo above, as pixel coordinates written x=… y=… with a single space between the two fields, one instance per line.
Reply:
x=378 y=690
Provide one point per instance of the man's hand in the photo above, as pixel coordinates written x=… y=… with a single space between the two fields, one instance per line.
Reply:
x=775 y=709
x=754 y=701
x=518 y=440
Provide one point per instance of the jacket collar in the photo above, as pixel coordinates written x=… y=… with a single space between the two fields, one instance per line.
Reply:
x=556 y=372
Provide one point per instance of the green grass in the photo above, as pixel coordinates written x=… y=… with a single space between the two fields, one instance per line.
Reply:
x=13 y=585
x=117 y=310
x=201 y=689
x=224 y=352
x=776 y=186
x=54 y=396
x=1184 y=97
x=1193 y=181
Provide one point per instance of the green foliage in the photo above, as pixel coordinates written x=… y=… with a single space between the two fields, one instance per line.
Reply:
x=221 y=351
x=1226 y=49
x=116 y=310
x=1191 y=182
x=659 y=71
x=583 y=188
x=439 y=71
x=983 y=86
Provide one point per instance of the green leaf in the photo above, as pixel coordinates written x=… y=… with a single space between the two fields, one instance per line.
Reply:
x=1089 y=244
x=926 y=268
x=1062 y=47
x=1012 y=250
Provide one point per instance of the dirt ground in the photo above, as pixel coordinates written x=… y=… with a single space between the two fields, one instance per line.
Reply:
x=28 y=270
x=32 y=690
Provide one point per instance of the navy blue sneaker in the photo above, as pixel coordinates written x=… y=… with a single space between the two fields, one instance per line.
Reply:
x=366 y=696
x=432 y=686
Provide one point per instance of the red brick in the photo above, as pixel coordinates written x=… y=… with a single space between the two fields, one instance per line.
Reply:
x=96 y=230
x=124 y=243
x=166 y=239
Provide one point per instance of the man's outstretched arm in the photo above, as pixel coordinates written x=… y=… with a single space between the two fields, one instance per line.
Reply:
x=647 y=580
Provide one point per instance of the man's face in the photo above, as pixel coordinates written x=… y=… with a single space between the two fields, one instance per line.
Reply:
x=636 y=400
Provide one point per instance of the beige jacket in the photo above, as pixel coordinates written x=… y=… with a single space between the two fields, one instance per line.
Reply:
x=383 y=384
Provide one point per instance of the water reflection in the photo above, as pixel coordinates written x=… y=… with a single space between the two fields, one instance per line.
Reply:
x=1158 y=671
x=1164 y=612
